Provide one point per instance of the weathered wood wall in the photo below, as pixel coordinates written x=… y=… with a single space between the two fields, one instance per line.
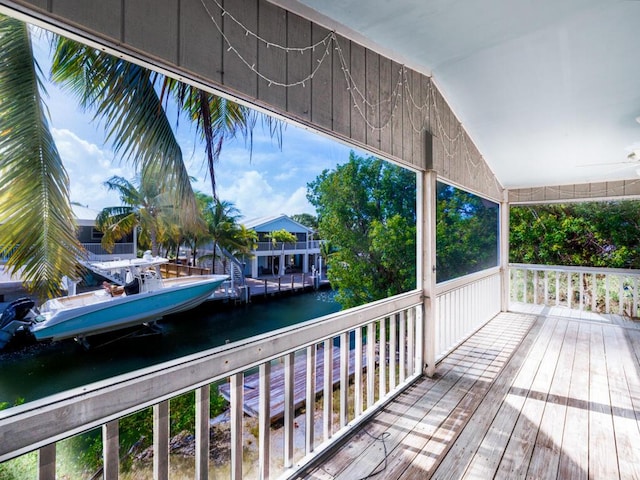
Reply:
x=340 y=87
x=578 y=192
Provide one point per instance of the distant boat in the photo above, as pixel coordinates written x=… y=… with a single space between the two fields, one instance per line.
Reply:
x=144 y=297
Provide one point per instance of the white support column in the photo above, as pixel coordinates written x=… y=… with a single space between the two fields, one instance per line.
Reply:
x=504 y=251
x=427 y=240
x=254 y=267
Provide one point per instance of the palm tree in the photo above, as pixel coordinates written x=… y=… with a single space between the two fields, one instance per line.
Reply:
x=221 y=217
x=146 y=206
x=130 y=101
x=35 y=212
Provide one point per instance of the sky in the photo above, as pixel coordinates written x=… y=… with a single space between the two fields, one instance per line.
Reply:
x=266 y=180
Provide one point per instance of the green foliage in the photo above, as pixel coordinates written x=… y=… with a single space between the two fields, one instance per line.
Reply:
x=367 y=213
x=35 y=213
x=306 y=219
x=5 y=405
x=466 y=233
x=25 y=466
x=600 y=234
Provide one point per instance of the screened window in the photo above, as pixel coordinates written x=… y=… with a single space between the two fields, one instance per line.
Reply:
x=466 y=233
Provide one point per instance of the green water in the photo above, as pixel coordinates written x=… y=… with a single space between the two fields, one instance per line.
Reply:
x=43 y=369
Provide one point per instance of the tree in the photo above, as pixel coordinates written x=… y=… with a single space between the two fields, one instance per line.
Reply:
x=131 y=101
x=367 y=213
x=221 y=217
x=466 y=233
x=601 y=234
x=143 y=206
x=36 y=217
x=306 y=219
x=280 y=236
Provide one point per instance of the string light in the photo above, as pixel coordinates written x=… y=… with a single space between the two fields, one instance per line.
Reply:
x=419 y=113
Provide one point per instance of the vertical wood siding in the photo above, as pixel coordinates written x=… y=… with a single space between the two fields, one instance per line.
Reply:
x=342 y=88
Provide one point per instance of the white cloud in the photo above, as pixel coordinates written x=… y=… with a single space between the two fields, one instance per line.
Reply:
x=88 y=166
x=254 y=197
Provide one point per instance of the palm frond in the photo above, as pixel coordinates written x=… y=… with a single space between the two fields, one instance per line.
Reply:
x=35 y=212
x=123 y=96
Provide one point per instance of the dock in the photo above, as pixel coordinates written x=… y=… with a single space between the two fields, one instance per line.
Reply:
x=252 y=383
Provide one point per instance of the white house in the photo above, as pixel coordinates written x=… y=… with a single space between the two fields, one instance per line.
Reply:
x=267 y=258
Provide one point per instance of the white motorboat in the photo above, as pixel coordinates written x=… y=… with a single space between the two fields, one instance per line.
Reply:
x=144 y=297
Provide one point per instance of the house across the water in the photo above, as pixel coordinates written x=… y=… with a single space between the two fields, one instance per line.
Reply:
x=90 y=237
x=302 y=256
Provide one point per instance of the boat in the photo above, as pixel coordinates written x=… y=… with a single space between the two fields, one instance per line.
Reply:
x=138 y=295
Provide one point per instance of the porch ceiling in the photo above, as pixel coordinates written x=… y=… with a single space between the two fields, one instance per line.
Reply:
x=546 y=89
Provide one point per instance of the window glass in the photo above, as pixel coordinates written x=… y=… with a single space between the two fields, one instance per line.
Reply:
x=466 y=233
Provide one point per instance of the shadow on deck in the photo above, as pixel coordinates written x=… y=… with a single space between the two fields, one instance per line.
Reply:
x=541 y=394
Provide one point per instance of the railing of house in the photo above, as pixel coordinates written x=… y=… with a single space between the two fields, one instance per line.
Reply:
x=4 y=255
x=463 y=305
x=603 y=290
x=277 y=248
x=337 y=369
x=95 y=250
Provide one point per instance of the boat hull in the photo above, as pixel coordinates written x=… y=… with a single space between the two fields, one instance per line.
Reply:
x=126 y=311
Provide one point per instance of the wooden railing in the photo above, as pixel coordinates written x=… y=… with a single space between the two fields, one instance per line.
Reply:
x=603 y=290
x=173 y=270
x=288 y=246
x=463 y=305
x=379 y=352
x=97 y=251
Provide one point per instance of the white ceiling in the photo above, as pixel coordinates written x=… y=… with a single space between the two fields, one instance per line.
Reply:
x=545 y=88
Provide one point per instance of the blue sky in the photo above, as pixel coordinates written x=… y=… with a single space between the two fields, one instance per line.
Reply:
x=269 y=181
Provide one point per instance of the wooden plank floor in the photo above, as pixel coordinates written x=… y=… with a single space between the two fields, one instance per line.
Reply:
x=252 y=383
x=527 y=396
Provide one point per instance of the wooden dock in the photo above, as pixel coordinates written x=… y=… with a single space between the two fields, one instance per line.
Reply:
x=252 y=390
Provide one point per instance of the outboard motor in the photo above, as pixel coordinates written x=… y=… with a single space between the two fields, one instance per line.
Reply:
x=132 y=287
x=12 y=318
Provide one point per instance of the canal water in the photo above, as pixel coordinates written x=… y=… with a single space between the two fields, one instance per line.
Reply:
x=43 y=369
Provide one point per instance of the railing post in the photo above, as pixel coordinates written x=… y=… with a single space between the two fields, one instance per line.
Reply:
x=237 y=403
x=202 y=432
x=161 y=441
x=264 y=419
x=327 y=391
x=371 y=363
x=382 y=359
x=289 y=410
x=47 y=462
x=344 y=378
x=111 y=450
x=310 y=399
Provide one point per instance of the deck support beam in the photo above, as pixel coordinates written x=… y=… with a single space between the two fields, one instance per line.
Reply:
x=505 y=291
x=427 y=220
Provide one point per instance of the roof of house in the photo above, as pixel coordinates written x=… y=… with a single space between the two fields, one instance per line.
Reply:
x=276 y=222
x=86 y=217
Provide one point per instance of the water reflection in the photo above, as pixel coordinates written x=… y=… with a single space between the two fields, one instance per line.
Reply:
x=43 y=369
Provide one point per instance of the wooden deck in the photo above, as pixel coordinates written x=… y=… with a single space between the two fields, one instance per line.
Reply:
x=540 y=395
